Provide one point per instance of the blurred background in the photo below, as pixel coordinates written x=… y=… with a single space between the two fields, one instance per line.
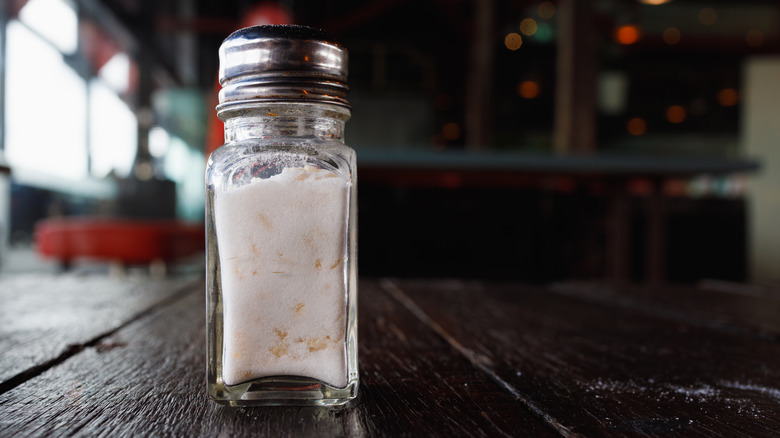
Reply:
x=630 y=140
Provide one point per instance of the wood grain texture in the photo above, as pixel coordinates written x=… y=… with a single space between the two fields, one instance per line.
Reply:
x=149 y=379
x=595 y=369
x=415 y=384
x=46 y=317
x=719 y=305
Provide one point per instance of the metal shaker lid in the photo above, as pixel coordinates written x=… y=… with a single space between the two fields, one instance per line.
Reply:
x=281 y=63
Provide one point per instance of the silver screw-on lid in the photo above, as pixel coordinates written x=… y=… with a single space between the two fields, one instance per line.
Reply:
x=281 y=63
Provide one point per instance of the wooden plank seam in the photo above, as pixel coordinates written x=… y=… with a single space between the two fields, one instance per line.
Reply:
x=74 y=349
x=479 y=361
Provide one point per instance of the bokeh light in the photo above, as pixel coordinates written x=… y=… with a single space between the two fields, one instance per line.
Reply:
x=671 y=35
x=544 y=32
x=546 y=10
x=528 y=26
x=708 y=16
x=676 y=114
x=627 y=34
x=528 y=89
x=451 y=131
x=728 y=97
x=636 y=126
x=513 y=41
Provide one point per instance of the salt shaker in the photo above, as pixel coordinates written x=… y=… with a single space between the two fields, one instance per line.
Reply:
x=280 y=219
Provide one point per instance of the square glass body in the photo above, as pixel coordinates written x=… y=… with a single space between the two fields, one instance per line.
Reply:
x=281 y=262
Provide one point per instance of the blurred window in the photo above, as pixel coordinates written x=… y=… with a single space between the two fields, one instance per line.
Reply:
x=185 y=166
x=113 y=131
x=116 y=72
x=60 y=121
x=55 y=20
x=46 y=108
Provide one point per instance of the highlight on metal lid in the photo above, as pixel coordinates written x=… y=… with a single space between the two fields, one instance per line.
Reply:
x=282 y=63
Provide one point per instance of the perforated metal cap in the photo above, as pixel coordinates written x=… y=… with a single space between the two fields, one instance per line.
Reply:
x=281 y=63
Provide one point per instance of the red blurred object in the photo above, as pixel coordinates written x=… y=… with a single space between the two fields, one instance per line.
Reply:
x=269 y=12
x=98 y=46
x=120 y=240
x=640 y=187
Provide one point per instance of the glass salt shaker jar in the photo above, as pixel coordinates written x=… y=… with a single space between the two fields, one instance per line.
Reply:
x=280 y=219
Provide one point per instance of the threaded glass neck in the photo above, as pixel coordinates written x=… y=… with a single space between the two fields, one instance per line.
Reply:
x=314 y=121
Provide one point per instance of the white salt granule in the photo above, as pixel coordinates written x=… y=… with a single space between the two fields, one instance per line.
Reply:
x=282 y=256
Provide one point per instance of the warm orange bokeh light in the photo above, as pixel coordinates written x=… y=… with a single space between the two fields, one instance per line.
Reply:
x=728 y=97
x=451 y=131
x=708 y=16
x=513 y=41
x=636 y=126
x=528 y=26
x=671 y=35
x=676 y=114
x=628 y=34
x=528 y=89
x=546 y=10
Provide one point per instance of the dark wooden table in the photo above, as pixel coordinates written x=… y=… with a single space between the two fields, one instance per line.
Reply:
x=91 y=355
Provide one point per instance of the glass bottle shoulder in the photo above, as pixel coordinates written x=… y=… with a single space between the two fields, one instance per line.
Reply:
x=239 y=163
